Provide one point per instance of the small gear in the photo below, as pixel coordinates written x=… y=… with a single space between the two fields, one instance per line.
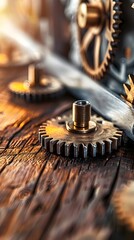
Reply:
x=129 y=90
x=98 y=27
x=79 y=136
x=36 y=88
x=123 y=204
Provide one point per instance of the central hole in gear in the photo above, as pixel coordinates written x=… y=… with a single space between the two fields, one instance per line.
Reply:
x=81 y=103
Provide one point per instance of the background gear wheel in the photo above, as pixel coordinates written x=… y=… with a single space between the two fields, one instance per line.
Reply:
x=123 y=203
x=55 y=138
x=98 y=27
x=37 y=88
x=129 y=90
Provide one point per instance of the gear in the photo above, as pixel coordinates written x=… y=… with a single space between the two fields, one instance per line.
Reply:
x=123 y=203
x=36 y=88
x=68 y=137
x=98 y=27
x=129 y=90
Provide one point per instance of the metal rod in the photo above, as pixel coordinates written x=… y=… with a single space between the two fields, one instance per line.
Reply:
x=81 y=112
x=33 y=76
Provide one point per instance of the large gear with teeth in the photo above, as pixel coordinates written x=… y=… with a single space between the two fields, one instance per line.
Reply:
x=54 y=137
x=81 y=135
x=98 y=27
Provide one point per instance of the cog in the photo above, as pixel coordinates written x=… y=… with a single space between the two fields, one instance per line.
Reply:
x=49 y=88
x=54 y=137
x=123 y=203
x=129 y=90
x=99 y=28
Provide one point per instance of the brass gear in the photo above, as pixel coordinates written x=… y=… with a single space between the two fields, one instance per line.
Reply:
x=123 y=204
x=129 y=91
x=98 y=28
x=54 y=137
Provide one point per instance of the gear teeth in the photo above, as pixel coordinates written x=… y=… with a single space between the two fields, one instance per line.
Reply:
x=54 y=137
x=68 y=147
x=114 y=143
x=129 y=91
x=93 y=149
x=108 y=143
x=46 y=142
x=42 y=137
x=85 y=150
x=76 y=150
x=52 y=145
x=101 y=148
x=113 y=41
x=118 y=135
x=60 y=147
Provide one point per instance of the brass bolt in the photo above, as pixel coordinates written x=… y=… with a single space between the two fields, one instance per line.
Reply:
x=81 y=114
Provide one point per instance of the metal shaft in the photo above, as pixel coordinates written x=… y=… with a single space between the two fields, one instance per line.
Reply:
x=88 y=15
x=81 y=113
x=33 y=76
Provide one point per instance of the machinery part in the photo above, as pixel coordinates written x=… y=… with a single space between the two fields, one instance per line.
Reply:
x=98 y=26
x=81 y=122
x=129 y=90
x=79 y=136
x=80 y=85
x=123 y=204
x=104 y=102
x=36 y=88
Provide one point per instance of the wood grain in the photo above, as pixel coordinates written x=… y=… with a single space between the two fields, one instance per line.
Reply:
x=43 y=196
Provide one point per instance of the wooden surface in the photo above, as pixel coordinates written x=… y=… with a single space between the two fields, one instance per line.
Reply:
x=43 y=196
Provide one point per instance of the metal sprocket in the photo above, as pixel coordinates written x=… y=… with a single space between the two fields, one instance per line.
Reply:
x=55 y=138
x=98 y=43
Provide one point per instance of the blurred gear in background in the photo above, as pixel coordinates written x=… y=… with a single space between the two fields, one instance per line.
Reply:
x=37 y=86
x=129 y=91
x=123 y=205
x=111 y=24
x=98 y=26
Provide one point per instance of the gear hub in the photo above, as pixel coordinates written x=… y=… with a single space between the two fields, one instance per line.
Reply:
x=81 y=135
